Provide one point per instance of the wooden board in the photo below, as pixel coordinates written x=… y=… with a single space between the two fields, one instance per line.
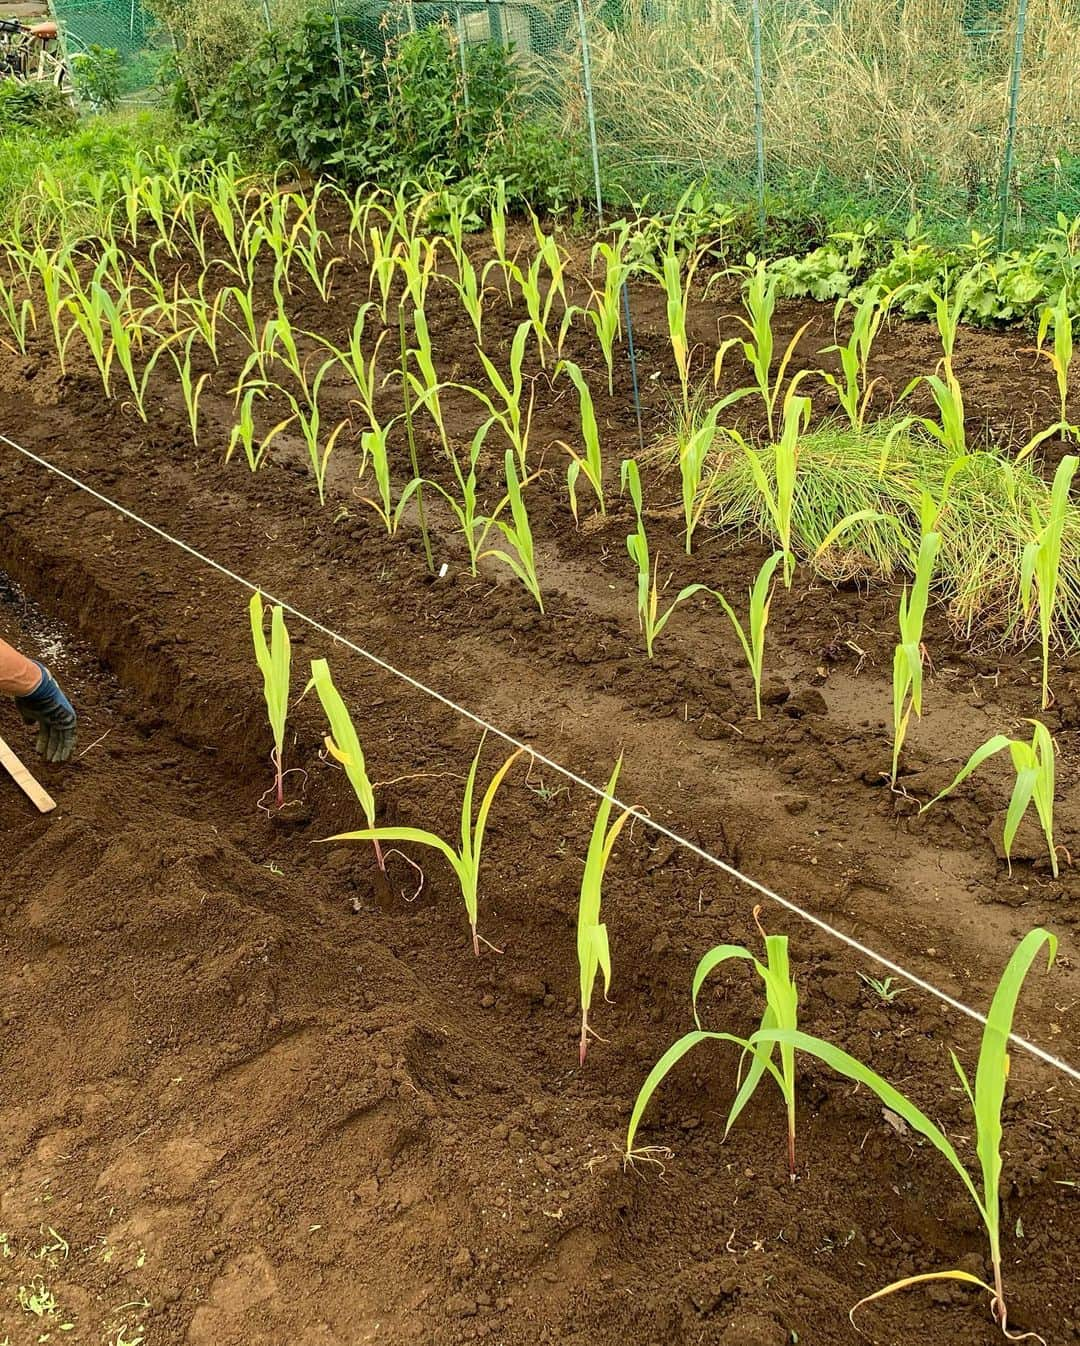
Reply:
x=39 y=796
x=24 y=10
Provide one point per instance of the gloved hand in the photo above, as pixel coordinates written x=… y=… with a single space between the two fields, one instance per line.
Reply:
x=52 y=712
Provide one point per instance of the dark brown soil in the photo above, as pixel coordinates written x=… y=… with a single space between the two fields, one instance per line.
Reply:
x=252 y=1095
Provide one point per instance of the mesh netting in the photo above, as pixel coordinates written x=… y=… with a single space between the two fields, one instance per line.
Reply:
x=883 y=108
x=123 y=26
x=889 y=108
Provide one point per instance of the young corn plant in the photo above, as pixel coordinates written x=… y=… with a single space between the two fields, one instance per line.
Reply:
x=778 y=495
x=695 y=440
x=1058 y=316
x=308 y=418
x=650 y=619
x=950 y=429
x=1034 y=768
x=18 y=316
x=781 y=1013
x=465 y=505
x=244 y=434
x=752 y=636
x=517 y=532
x=190 y=385
x=274 y=660
x=855 y=388
x=1040 y=564
x=604 y=311
x=907 y=678
x=759 y=306
x=986 y=1098
x=425 y=382
x=509 y=416
x=498 y=240
x=591 y=462
x=464 y=860
x=677 y=297
x=343 y=744
x=593 y=950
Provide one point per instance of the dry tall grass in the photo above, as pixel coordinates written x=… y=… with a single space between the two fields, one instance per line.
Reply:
x=900 y=101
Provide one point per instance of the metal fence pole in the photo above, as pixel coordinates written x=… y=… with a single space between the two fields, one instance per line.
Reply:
x=759 y=113
x=1010 y=130
x=590 y=116
x=590 y=107
x=337 y=45
x=461 y=53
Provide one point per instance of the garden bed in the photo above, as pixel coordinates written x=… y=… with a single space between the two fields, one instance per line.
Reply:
x=283 y=1102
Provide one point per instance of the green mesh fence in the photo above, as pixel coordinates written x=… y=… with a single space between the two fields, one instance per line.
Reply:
x=123 y=26
x=861 y=106
x=890 y=108
x=840 y=108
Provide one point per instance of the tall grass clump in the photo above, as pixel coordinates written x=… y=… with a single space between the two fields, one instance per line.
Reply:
x=985 y=529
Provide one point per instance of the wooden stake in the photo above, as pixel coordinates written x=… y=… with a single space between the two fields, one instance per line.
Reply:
x=39 y=796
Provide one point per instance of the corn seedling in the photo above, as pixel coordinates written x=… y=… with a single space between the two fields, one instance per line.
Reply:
x=1040 y=565
x=1034 y=768
x=778 y=495
x=677 y=297
x=603 y=311
x=244 y=434
x=274 y=660
x=752 y=636
x=471 y=290
x=410 y=435
x=465 y=861
x=695 y=444
x=907 y=677
x=308 y=419
x=514 y=423
x=190 y=386
x=343 y=744
x=18 y=316
x=426 y=383
x=650 y=619
x=474 y=525
x=854 y=389
x=498 y=239
x=987 y=1098
x=759 y=305
x=950 y=427
x=416 y=260
x=382 y=264
x=593 y=950
x=1060 y=356
x=518 y=534
x=780 y=1013
x=591 y=462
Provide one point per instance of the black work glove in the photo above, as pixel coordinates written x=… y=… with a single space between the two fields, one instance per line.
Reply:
x=52 y=712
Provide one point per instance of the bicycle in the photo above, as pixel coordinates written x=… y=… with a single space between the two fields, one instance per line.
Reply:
x=33 y=52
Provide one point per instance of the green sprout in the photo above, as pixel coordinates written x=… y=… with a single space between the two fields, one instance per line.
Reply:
x=594 y=954
x=781 y=1013
x=274 y=661
x=1033 y=764
x=986 y=1099
x=465 y=861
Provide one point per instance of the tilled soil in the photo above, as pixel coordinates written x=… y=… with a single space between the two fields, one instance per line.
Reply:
x=255 y=1093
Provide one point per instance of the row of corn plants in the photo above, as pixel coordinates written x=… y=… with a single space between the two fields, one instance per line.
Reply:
x=770 y=1051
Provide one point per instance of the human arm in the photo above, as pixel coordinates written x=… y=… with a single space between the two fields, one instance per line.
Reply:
x=39 y=700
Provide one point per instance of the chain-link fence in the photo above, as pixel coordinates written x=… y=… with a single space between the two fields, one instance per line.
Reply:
x=120 y=26
x=964 y=112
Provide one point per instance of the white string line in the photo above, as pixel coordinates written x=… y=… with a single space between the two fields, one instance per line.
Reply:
x=1031 y=1047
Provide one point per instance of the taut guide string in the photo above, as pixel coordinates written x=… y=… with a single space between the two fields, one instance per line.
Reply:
x=1030 y=1047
